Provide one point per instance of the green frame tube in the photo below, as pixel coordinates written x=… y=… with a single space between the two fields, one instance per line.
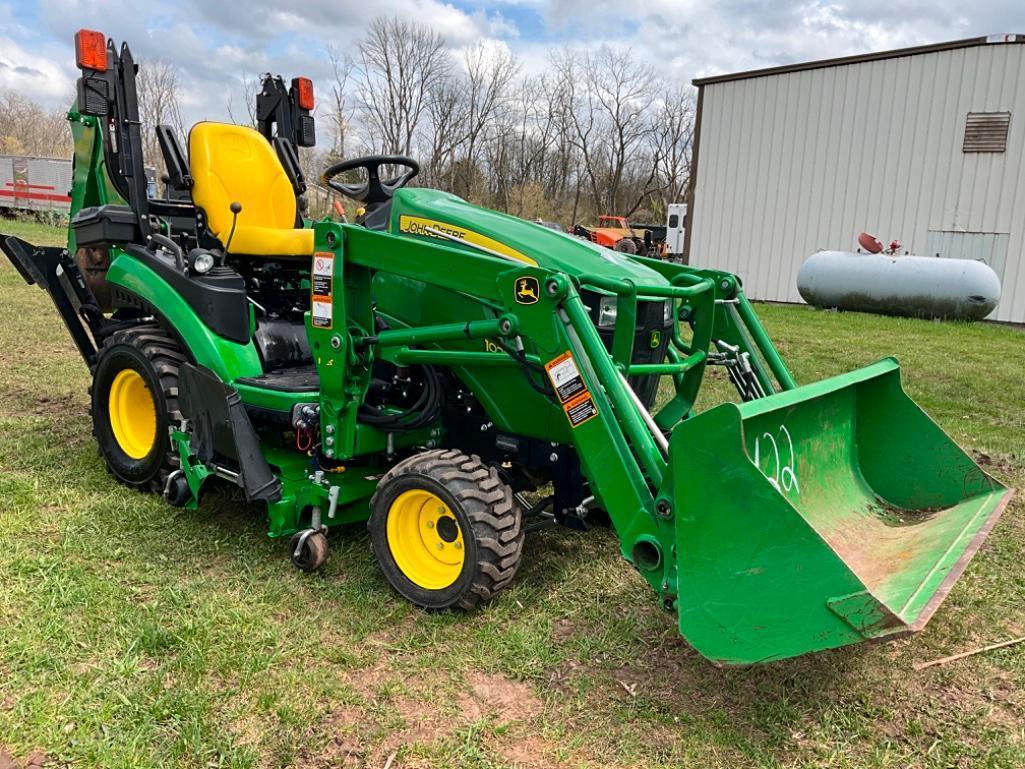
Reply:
x=764 y=344
x=504 y=326
x=626 y=413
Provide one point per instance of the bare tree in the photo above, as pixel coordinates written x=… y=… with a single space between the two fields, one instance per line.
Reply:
x=159 y=104
x=489 y=74
x=615 y=122
x=28 y=129
x=672 y=139
x=400 y=61
x=250 y=86
x=342 y=109
x=445 y=127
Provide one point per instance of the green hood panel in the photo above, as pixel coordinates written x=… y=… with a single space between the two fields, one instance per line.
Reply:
x=414 y=209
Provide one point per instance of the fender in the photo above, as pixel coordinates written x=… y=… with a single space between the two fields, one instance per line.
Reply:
x=228 y=359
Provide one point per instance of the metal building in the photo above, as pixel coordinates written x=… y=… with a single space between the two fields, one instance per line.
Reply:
x=923 y=145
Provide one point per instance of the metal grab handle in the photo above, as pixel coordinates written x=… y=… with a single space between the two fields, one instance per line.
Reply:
x=629 y=288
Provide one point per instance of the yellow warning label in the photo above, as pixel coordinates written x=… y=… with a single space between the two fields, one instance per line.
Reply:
x=431 y=228
x=580 y=409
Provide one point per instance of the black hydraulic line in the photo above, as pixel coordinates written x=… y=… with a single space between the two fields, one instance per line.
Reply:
x=529 y=368
x=426 y=410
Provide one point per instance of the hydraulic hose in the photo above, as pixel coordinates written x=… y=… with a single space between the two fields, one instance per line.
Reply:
x=425 y=410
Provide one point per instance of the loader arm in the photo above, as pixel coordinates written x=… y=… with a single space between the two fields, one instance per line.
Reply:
x=774 y=527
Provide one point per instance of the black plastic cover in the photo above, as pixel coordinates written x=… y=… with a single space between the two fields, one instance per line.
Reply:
x=102 y=226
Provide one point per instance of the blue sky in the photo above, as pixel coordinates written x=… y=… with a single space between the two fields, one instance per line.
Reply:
x=213 y=42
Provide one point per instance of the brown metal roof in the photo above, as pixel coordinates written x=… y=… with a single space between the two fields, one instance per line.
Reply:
x=970 y=42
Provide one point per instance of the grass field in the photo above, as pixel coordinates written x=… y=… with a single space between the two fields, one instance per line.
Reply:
x=134 y=635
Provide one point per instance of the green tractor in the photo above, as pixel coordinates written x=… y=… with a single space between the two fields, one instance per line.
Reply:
x=430 y=366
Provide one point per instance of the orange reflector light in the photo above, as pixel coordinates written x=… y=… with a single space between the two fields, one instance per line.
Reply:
x=304 y=92
x=91 y=50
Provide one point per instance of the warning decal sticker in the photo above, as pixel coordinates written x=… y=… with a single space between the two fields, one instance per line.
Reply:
x=323 y=279
x=565 y=377
x=569 y=386
x=321 y=310
x=580 y=409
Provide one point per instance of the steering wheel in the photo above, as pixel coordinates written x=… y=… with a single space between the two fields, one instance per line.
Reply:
x=374 y=189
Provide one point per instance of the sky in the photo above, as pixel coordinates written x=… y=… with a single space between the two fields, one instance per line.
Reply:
x=214 y=42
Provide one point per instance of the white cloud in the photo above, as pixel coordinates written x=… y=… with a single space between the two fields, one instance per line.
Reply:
x=31 y=73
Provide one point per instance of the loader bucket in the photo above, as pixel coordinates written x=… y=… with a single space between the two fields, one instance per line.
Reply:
x=819 y=517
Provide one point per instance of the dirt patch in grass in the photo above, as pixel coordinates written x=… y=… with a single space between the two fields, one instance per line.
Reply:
x=403 y=716
x=347 y=745
x=508 y=700
x=19 y=401
x=35 y=760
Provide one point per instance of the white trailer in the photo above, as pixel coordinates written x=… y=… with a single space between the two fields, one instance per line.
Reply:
x=676 y=219
x=35 y=184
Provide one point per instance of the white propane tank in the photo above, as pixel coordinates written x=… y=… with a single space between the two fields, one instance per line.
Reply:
x=915 y=286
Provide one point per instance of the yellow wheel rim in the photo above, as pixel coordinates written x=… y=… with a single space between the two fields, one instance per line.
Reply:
x=425 y=539
x=133 y=414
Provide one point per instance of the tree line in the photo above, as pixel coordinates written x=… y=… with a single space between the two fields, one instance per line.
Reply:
x=596 y=132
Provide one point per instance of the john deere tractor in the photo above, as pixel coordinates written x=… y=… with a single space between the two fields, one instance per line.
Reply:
x=432 y=365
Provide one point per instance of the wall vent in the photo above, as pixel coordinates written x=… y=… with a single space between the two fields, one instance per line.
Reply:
x=986 y=132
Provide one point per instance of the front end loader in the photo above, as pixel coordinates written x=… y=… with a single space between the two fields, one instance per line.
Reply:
x=432 y=365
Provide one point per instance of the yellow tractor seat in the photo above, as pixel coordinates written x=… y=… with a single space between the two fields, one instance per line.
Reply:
x=231 y=163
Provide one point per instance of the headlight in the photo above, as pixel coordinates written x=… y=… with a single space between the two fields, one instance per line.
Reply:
x=607 y=312
x=667 y=313
x=201 y=262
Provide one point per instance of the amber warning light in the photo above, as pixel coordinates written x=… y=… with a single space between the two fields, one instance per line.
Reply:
x=91 y=50
x=304 y=92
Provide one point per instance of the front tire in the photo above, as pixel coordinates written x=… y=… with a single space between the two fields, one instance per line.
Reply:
x=445 y=530
x=134 y=398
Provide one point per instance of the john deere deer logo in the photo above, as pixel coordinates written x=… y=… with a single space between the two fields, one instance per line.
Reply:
x=527 y=290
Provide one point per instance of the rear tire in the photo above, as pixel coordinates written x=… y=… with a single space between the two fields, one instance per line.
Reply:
x=445 y=530
x=134 y=398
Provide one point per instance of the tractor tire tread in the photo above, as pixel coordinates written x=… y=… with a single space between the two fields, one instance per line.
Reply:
x=489 y=505
x=166 y=356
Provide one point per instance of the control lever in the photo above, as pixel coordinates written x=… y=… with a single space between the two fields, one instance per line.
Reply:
x=236 y=209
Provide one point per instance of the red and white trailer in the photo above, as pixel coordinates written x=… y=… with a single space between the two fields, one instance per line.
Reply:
x=35 y=184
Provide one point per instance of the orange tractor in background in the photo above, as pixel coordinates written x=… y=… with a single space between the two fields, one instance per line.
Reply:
x=616 y=233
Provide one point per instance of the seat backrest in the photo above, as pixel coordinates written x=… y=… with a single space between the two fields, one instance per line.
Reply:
x=231 y=163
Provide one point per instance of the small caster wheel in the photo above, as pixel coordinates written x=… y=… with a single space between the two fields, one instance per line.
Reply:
x=177 y=491
x=308 y=549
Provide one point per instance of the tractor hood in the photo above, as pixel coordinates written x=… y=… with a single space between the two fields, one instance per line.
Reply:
x=438 y=215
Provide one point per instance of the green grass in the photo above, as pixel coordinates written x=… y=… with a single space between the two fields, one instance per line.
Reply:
x=136 y=635
x=33 y=231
